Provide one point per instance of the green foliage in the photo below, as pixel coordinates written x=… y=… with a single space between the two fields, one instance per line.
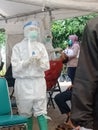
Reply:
x=2 y=37
x=61 y=29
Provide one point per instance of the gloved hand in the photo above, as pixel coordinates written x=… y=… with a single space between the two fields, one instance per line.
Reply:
x=35 y=59
x=32 y=59
x=26 y=63
x=58 y=49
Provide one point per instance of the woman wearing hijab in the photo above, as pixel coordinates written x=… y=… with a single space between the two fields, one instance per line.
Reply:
x=72 y=52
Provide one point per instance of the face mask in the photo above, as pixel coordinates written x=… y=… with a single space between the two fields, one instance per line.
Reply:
x=48 y=40
x=70 y=43
x=33 y=35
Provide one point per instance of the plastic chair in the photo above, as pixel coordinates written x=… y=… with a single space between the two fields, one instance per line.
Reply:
x=7 y=119
x=51 y=77
x=11 y=81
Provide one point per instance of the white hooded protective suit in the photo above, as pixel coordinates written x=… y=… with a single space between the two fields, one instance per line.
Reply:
x=30 y=85
x=50 y=50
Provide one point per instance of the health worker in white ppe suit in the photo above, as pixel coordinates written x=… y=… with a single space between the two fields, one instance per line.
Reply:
x=29 y=61
x=49 y=47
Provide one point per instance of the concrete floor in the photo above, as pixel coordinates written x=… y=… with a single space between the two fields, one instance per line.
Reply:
x=56 y=117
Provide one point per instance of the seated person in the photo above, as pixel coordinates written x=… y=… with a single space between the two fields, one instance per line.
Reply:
x=61 y=101
x=72 y=52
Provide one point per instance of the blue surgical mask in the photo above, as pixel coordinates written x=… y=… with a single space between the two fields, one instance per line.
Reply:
x=48 y=40
x=33 y=35
x=70 y=43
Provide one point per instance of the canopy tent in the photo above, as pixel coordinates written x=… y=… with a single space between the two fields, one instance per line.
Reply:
x=17 y=8
x=14 y=13
x=19 y=11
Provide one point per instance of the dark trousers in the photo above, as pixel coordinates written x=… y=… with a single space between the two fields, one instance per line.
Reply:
x=71 y=73
x=65 y=96
x=61 y=99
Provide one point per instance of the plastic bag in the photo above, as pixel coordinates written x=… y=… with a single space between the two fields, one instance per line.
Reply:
x=64 y=77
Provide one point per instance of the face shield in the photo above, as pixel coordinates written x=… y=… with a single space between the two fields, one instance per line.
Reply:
x=31 y=31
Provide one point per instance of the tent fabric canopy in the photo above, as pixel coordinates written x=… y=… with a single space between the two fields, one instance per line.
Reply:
x=20 y=11
x=14 y=13
x=10 y=9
